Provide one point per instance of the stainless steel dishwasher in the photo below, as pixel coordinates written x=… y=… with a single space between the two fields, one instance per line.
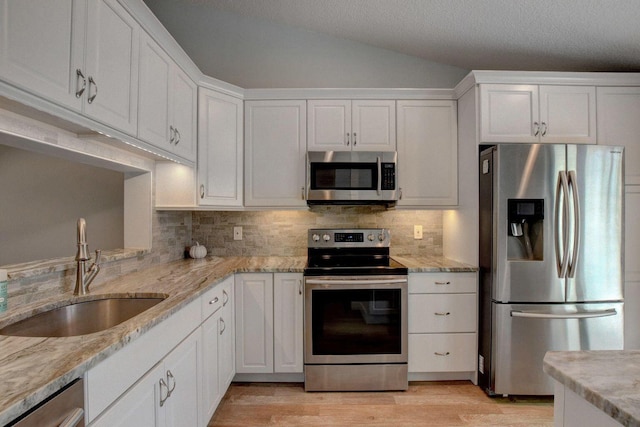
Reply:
x=63 y=409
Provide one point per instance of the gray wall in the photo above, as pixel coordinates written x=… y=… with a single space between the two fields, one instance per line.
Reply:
x=253 y=53
x=41 y=198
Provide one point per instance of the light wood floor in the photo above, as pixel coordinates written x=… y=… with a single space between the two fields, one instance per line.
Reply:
x=455 y=403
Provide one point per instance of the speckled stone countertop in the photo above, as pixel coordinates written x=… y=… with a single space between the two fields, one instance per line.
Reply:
x=433 y=264
x=31 y=369
x=608 y=379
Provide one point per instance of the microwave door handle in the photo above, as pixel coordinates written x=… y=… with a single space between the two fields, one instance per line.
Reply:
x=379 y=189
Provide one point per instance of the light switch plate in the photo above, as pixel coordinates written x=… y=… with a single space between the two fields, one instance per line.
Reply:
x=417 y=232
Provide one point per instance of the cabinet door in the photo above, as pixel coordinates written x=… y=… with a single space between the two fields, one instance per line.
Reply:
x=373 y=125
x=226 y=337
x=427 y=153
x=618 y=124
x=41 y=47
x=211 y=393
x=568 y=114
x=153 y=101
x=632 y=268
x=329 y=124
x=183 y=101
x=275 y=153
x=182 y=377
x=288 y=302
x=508 y=113
x=219 y=149
x=139 y=406
x=111 y=57
x=254 y=323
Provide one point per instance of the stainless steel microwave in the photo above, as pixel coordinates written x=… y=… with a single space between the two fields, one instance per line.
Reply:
x=352 y=177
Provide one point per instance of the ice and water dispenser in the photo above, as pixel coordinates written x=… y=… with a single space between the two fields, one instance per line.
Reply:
x=525 y=222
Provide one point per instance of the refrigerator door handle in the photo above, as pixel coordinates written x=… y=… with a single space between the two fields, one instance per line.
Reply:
x=573 y=261
x=578 y=315
x=562 y=190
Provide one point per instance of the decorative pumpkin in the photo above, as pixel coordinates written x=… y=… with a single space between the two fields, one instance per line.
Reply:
x=197 y=251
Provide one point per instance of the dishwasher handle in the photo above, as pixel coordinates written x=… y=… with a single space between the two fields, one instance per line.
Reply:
x=73 y=419
x=578 y=315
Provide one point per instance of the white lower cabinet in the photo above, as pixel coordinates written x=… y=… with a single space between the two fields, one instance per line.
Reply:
x=218 y=344
x=269 y=323
x=165 y=396
x=443 y=323
x=164 y=379
x=288 y=302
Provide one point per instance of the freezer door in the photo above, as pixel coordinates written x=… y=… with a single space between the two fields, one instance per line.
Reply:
x=527 y=171
x=525 y=332
x=596 y=176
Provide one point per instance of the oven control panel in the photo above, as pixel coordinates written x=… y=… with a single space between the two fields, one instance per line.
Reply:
x=350 y=238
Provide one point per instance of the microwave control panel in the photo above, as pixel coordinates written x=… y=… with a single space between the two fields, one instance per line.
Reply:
x=388 y=176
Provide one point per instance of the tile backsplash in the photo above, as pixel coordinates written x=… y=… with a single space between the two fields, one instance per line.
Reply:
x=265 y=233
x=284 y=233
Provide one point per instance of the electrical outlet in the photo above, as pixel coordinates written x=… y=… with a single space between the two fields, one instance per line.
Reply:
x=237 y=233
x=417 y=232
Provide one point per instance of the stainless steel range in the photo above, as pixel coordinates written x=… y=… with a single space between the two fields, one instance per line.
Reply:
x=355 y=312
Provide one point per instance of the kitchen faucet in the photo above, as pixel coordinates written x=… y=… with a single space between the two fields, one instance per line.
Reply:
x=84 y=277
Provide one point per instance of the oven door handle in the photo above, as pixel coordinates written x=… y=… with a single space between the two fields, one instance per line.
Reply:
x=354 y=281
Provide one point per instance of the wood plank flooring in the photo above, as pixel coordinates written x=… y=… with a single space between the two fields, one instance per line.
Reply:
x=450 y=403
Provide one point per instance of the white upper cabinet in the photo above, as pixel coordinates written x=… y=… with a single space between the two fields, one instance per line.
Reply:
x=532 y=113
x=81 y=54
x=111 y=63
x=167 y=105
x=275 y=154
x=41 y=47
x=343 y=125
x=220 y=173
x=619 y=124
x=427 y=153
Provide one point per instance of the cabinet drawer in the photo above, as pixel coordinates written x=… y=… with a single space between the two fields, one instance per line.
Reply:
x=438 y=283
x=442 y=313
x=442 y=352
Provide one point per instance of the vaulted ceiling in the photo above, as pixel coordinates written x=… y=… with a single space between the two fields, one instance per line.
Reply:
x=556 y=35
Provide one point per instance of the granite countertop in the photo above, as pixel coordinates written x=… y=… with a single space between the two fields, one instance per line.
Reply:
x=608 y=379
x=31 y=369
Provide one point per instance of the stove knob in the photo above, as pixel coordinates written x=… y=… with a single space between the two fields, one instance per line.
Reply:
x=371 y=237
x=326 y=237
x=381 y=237
x=315 y=237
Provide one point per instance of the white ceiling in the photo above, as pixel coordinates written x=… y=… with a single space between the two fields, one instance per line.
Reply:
x=558 y=35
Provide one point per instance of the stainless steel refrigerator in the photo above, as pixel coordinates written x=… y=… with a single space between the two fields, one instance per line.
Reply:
x=551 y=259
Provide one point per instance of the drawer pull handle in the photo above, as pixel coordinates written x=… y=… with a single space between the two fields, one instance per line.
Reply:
x=223 y=326
x=214 y=301
x=441 y=354
x=443 y=283
x=442 y=313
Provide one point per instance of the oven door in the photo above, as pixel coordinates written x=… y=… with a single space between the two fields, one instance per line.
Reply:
x=355 y=320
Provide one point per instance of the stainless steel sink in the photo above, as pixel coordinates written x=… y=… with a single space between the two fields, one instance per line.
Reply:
x=81 y=318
